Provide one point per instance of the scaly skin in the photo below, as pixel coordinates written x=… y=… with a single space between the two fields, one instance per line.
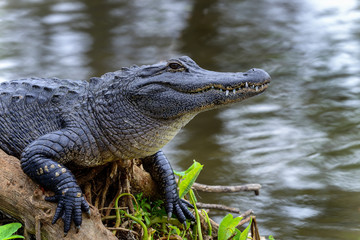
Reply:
x=132 y=113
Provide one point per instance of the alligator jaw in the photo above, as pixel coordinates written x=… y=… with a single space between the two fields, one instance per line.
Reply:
x=221 y=87
x=225 y=88
x=246 y=87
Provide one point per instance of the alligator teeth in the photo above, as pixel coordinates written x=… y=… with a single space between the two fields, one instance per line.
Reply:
x=247 y=86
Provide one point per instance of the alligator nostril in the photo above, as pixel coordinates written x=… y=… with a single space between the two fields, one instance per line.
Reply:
x=245 y=74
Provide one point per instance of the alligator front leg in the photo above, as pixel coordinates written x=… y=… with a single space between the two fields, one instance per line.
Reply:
x=37 y=161
x=162 y=173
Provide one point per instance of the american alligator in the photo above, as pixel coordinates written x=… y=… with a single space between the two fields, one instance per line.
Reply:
x=132 y=113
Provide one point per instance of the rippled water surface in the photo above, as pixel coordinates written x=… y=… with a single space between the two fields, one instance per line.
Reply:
x=300 y=140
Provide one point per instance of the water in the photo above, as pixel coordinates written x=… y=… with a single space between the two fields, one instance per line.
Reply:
x=300 y=140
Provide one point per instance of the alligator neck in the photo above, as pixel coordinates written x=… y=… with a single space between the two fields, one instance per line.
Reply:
x=129 y=133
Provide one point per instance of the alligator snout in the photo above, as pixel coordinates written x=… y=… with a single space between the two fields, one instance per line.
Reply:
x=258 y=75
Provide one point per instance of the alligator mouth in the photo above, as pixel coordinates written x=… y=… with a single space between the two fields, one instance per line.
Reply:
x=247 y=87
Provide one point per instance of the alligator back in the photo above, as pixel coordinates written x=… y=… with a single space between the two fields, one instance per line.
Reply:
x=30 y=108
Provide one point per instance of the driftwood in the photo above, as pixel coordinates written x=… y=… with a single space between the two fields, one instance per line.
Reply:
x=217 y=207
x=227 y=189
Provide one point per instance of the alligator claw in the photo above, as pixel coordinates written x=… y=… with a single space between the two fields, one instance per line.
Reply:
x=71 y=203
x=51 y=199
x=85 y=207
x=181 y=211
x=187 y=203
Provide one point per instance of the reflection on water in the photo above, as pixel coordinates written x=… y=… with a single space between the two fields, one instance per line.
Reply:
x=300 y=139
x=85 y=37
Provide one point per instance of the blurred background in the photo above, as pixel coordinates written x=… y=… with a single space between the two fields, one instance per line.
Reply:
x=300 y=139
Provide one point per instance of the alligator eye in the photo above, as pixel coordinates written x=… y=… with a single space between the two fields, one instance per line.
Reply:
x=175 y=66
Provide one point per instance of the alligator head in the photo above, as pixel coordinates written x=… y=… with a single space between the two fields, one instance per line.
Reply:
x=140 y=109
x=180 y=87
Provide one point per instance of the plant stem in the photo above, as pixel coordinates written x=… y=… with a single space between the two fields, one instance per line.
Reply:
x=146 y=236
x=117 y=210
x=193 y=201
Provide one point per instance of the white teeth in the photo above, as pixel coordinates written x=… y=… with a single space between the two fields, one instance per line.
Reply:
x=234 y=91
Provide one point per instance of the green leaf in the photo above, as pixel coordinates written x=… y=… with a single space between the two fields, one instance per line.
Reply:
x=179 y=174
x=227 y=226
x=147 y=220
x=7 y=230
x=222 y=231
x=245 y=233
x=188 y=178
x=183 y=173
x=238 y=234
x=175 y=230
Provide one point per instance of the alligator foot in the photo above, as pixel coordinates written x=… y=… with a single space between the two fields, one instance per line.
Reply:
x=70 y=208
x=38 y=164
x=162 y=173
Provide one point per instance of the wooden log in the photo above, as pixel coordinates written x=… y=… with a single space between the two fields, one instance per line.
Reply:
x=23 y=200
